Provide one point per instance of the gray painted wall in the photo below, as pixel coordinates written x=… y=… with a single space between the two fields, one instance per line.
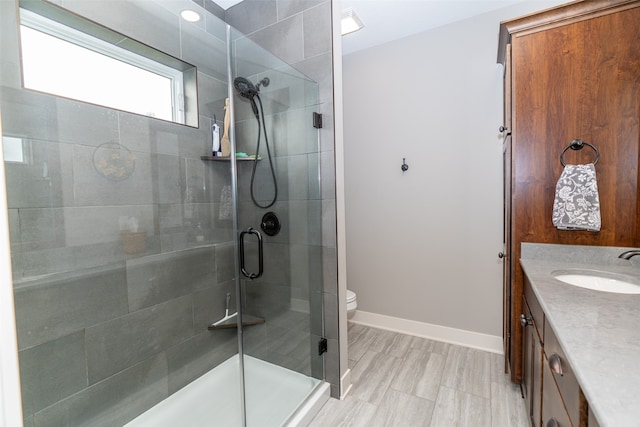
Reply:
x=423 y=245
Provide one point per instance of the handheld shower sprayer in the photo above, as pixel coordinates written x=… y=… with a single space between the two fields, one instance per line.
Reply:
x=248 y=90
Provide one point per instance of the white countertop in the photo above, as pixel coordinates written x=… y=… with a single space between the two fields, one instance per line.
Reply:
x=598 y=331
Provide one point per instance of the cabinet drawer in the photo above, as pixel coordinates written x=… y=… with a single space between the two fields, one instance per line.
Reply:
x=552 y=407
x=567 y=382
x=535 y=308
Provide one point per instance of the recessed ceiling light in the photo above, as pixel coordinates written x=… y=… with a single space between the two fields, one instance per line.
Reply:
x=350 y=21
x=190 y=15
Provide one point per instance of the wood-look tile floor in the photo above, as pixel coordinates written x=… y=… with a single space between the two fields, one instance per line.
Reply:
x=401 y=380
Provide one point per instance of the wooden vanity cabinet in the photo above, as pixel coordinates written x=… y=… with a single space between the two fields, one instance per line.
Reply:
x=551 y=390
x=572 y=71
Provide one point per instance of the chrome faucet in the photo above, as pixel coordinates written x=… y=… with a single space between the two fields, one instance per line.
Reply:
x=629 y=254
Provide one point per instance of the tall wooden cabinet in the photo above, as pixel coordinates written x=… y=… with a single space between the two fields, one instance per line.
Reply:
x=570 y=72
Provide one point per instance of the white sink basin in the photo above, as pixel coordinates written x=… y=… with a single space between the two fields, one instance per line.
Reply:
x=599 y=281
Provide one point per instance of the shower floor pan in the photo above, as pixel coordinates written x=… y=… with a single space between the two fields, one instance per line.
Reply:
x=275 y=397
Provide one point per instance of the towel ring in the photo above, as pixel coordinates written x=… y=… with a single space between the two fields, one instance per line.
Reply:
x=578 y=144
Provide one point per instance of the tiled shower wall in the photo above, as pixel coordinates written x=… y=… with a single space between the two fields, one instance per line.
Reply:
x=104 y=334
x=300 y=33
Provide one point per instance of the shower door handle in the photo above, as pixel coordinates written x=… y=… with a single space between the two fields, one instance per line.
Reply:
x=251 y=276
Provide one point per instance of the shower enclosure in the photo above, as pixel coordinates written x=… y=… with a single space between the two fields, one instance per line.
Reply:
x=129 y=240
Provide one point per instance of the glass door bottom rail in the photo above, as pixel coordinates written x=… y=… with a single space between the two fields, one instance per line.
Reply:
x=273 y=395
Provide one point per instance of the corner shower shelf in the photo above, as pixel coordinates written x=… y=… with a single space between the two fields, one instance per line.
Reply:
x=227 y=158
x=247 y=320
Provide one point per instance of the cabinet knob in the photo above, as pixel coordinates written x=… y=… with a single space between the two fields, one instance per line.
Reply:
x=525 y=321
x=501 y=255
x=555 y=363
x=503 y=128
x=553 y=423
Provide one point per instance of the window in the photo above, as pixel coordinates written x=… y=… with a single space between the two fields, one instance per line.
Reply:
x=14 y=149
x=61 y=60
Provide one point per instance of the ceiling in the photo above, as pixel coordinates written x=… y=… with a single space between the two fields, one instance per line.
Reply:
x=387 y=20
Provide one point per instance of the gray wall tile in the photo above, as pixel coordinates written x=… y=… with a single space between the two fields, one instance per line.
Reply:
x=158 y=278
x=332 y=364
x=314 y=177
x=316 y=21
x=209 y=305
x=267 y=300
x=284 y=39
x=85 y=124
x=148 y=136
x=198 y=355
x=117 y=344
x=54 y=306
x=9 y=60
x=226 y=263
x=41 y=228
x=93 y=188
x=148 y=24
x=114 y=401
x=134 y=132
x=287 y=8
x=329 y=270
x=214 y=63
x=329 y=223
x=251 y=15
x=44 y=180
x=328 y=175
x=167 y=179
x=213 y=7
x=28 y=114
x=191 y=142
x=14 y=229
x=330 y=304
x=52 y=371
x=212 y=93
x=85 y=226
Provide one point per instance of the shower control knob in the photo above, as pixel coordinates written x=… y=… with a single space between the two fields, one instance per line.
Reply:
x=270 y=224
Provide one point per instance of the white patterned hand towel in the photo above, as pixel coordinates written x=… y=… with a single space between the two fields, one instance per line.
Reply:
x=577 y=205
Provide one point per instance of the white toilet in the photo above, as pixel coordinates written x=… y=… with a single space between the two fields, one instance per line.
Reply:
x=352 y=303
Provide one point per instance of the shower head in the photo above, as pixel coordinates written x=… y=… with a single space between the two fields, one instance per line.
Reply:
x=245 y=88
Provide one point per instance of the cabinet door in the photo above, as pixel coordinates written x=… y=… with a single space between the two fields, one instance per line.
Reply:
x=527 y=361
x=536 y=380
x=552 y=407
x=532 y=366
x=506 y=258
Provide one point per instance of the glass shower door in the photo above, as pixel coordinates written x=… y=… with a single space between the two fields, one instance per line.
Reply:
x=279 y=198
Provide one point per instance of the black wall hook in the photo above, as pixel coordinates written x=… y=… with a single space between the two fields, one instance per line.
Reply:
x=405 y=166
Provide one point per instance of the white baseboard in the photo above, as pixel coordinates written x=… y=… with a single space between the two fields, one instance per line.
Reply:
x=490 y=343
x=345 y=384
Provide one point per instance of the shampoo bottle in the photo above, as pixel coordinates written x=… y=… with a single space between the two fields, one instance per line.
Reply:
x=215 y=145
